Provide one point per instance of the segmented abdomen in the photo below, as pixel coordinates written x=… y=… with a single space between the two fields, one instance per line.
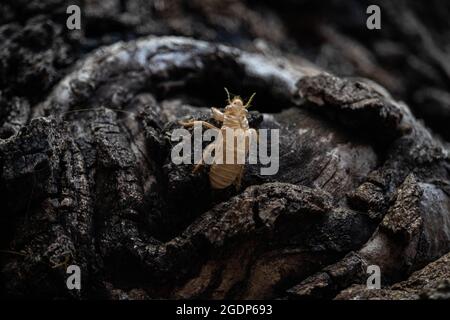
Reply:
x=224 y=173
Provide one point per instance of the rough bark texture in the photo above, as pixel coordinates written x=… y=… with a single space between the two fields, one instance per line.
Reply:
x=87 y=179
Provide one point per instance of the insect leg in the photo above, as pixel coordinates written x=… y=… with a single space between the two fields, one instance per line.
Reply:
x=217 y=114
x=237 y=182
x=205 y=154
x=194 y=122
x=197 y=166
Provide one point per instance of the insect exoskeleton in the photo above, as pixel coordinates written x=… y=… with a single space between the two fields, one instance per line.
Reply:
x=225 y=171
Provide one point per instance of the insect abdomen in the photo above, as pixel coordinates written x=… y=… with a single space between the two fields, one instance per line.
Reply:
x=224 y=175
x=225 y=172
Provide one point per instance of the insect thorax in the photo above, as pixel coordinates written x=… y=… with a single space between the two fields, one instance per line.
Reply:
x=235 y=122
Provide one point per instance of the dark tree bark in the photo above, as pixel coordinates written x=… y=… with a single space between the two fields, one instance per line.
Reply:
x=87 y=179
